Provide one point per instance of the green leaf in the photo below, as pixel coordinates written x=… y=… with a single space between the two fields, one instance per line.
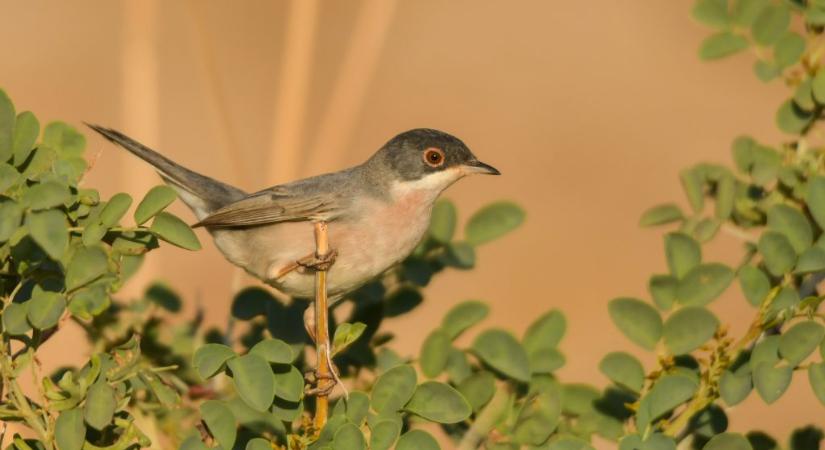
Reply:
x=7 y=120
x=417 y=440
x=788 y=49
x=345 y=335
x=460 y=255
x=766 y=164
x=755 y=284
x=221 y=422
x=683 y=253
x=100 y=405
x=89 y=302
x=273 y=351
x=815 y=195
x=438 y=402
x=688 y=328
x=704 y=283
x=257 y=444
x=501 y=351
x=693 y=185
x=721 y=44
x=811 y=260
x=383 y=434
x=742 y=150
x=209 y=359
x=393 y=389
x=64 y=138
x=818 y=90
x=88 y=264
x=288 y=382
x=14 y=319
x=11 y=215
x=9 y=176
x=26 y=130
x=800 y=341
x=442 y=223
x=792 y=119
x=49 y=231
x=624 y=370
x=70 y=431
x=253 y=380
x=770 y=24
x=660 y=215
x=803 y=95
x=728 y=441
x=735 y=387
x=349 y=437
x=45 y=308
x=538 y=419
x=545 y=360
x=771 y=382
x=713 y=13
x=155 y=201
x=493 y=221
x=793 y=224
x=668 y=393
x=745 y=11
x=175 y=231
x=434 y=353
x=356 y=407
x=778 y=253
x=725 y=196
x=637 y=320
x=766 y=351
x=663 y=290
x=578 y=398
x=463 y=316
x=115 y=209
x=816 y=377
x=46 y=195
x=545 y=332
x=478 y=389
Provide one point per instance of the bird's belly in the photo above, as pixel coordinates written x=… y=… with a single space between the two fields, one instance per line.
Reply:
x=366 y=247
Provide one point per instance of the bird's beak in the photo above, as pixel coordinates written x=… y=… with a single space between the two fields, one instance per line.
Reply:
x=476 y=166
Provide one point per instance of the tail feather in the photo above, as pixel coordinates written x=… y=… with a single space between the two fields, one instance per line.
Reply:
x=201 y=193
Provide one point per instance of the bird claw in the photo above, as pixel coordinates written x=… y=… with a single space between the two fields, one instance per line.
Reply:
x=318 y=263
x=324 y=383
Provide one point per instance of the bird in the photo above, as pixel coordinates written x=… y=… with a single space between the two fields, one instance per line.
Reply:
x=376 y=212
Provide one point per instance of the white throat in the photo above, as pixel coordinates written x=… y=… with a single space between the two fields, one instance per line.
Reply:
x=430 y=185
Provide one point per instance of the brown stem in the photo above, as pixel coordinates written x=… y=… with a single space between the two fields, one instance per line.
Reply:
x=321 y=326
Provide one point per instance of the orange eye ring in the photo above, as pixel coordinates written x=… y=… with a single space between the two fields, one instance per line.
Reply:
x=434 y=157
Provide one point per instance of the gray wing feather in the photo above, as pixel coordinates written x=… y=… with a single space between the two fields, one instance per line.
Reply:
x=277 y=205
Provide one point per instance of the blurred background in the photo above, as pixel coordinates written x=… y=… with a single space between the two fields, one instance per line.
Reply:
x=588 y=108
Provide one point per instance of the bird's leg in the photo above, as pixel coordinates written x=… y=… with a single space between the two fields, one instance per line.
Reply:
x=321 y=381
x=318 y=262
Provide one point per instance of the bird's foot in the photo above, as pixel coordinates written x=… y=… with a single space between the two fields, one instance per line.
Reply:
x=323 y=384
x=317 y=262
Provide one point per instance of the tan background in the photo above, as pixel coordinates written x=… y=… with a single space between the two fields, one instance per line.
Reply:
x=588 y=108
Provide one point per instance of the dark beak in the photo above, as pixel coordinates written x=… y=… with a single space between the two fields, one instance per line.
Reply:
x=476 y=166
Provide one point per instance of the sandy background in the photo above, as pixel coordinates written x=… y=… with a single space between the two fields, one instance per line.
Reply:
x=588 y=108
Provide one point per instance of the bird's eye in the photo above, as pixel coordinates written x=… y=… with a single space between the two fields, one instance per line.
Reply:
x=434 y=157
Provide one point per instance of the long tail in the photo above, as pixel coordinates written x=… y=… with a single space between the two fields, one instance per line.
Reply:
x=201 y=193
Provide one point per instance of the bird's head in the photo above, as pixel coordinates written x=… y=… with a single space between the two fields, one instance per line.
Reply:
x=429 y=158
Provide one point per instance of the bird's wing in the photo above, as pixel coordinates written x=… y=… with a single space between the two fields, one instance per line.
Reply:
x=278 y=204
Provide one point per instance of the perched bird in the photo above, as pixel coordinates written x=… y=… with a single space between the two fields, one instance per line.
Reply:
x=376 y=212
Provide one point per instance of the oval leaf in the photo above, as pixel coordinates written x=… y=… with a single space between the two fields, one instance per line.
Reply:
x=442 y=223
x=637 y=320
x=624 y=370
x=777 y=252
x=155 y=201
x=221 y=422
x=434 y=353
x=688 y=328
x=253 y=380
x=393 y=389
x=463 y=316
x=492 y=222
x=439 y=402
x=771 y=382
x=703 y=284
x=800 y=341
x=209 y=359
x=100 y=405
x=417 y=440
x=501 y=351
x=175 y=231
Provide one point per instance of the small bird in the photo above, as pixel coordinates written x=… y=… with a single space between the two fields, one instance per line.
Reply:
x=376 y=212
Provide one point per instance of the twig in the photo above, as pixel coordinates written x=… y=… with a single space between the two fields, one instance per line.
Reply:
x=321 y=326
x=486 y=420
